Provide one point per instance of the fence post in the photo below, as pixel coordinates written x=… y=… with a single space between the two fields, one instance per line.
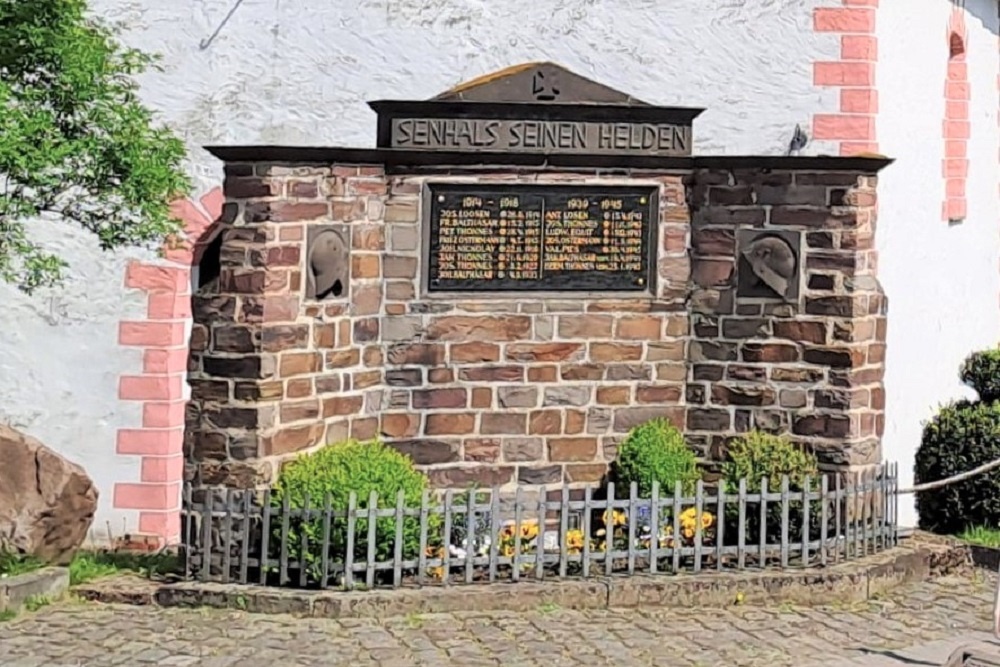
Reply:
x=352 y=526
x=470 y=535
x=397 y=553
x=304 y=544
x=206 y=542
x=720 y=522
x=540 y=539
x=633 y=491
x=836 y=520
x=762 y=537
x=372 y=525
x=741 y=529
x=494 y=531
x=609 y=530
x=188 y=518
x=265 y=546
x=515 y=573
x=785 y=498
x=325 y=546
x=245 y=536
x=806 y=507
x=654 y=526
x=676 y=535
x=283 y=562
x=227 y=545
x=422 y=555
x=563 y=531
x=699 y=503
x=587 y=509
x=824 y=514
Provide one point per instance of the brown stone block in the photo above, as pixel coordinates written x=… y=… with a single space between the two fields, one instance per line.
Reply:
x=439 y=398
x=209 y=390
x=745 y=328
x=625 y=419
x=877 y=398
x=401 y=210
x=278 y=338
x=232 y=367
x=450 y=423
x=398 y=290
x=428 y=451
x=399 y=266
x=364 y=330
x=832 y=261
x=481 y=450
x=835 y=306
x=674 y=269
x=713 y=272
x=416 y=354
x=671 y=372
x=823 y=240
x=303 y=189
x=299 y=363
x=639 y=327
x=824 y=426
x=876 y=353
x=713 y=241
x=476 y=352
x=769 y=353
x=365 y=266
x=551 y=474
x=835 y=357
x=721 y=215
x=675 y=237
x=290 y=440
x=440 y=375
x=367 y=379
x=803 y=332
x=251 y=187
x=232 y=417
x=286 y=211
x=492 y=374
x=797 y=375
x=482 y=397
x=746 y=373
x=577 y=372
x=299 y=388
x=669 y=350
x=337 y=406
x=792 y=398
x=545 y=351
x=603 y=352
x=741 y=195
x=701 y=350
x=364 y=429
x=520 y=450
x=709 y=420
x=571 y=450
x=592 y=473
x=324 y=335
x=614 y=395
x=370 y=238
x=708 y=372
x=462 y=477
x=585 y=326
x=575 y=422
x=400 y=424
x=754 y=395
x=493 y=328
x=545 y=422
x=658 y=394
x=349 y=211
x=299 y=411
x=503 y=424
x=543 y=373
x=372 y=356
x=625 y=372
x=517 y=397
x=242 y=281
x=366 y=299
x=343 y=358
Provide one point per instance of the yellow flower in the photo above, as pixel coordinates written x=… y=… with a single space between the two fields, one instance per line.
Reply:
x=507 y=532
x=706 y=520
x=529 y=530
x=574 y=540
x=688 y=533
x=615 y=518
x=508 y=550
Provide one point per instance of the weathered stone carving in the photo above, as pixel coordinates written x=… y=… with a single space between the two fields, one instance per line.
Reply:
x=768 y=266
x=329 y=265
x=46 y=503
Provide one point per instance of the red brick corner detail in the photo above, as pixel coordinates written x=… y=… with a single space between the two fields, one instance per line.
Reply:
x=956 y=127
x=853 y=127
x=159 y=387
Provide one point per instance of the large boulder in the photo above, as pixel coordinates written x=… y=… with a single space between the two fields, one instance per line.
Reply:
x=46 y=503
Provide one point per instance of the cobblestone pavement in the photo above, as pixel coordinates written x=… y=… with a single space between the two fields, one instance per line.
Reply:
x=77 y=633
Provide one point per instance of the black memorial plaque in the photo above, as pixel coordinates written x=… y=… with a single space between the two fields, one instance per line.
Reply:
x=486 y=238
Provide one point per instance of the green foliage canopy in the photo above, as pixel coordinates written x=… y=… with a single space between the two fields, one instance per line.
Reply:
x=76 y=143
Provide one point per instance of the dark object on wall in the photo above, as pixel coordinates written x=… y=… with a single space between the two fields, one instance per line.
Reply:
x=328 y=264
x=768 y=265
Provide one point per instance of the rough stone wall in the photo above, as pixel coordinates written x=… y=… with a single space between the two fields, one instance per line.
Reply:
x=813 y=368
x=532 y=389
x=271 y=373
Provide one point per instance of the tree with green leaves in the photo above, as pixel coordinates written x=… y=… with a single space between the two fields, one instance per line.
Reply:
x=77 y=146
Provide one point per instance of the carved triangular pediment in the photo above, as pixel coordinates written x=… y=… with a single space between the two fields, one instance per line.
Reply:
x=537 y=83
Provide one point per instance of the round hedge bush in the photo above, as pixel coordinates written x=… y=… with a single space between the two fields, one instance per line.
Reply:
x=757 y=455
x=981 y=371
x=655 y=451
x=337 y=470
x=962 y=436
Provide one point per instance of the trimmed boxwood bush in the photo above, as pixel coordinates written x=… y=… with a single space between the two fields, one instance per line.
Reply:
x=981 y=371
x=655 y=451
x=337 y=470
x=962 y=436
x=757 y=455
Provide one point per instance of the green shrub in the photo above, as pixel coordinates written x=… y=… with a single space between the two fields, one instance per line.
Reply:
x=758 y=455
x=962 y=436
x=981 y=371
x=336 y=471
x=656 y=451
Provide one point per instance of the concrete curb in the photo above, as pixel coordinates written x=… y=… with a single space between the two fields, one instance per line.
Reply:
x=856 y=581
x=50 y=583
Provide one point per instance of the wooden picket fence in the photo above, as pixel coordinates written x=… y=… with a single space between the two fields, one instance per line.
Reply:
x=249 y=536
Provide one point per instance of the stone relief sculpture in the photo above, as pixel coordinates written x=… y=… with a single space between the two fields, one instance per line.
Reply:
x=773 y=268
x=328 y=265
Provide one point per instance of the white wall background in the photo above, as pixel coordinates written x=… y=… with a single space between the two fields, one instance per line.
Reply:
x=942 y=281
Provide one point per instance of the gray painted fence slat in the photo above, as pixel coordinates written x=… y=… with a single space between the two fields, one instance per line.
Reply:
x=838 y=495
x=609 y=529
x=189 y=523
x=245 y=538
x=720 y=522
x=494 y=532
x=304 y=546
x=265 y=546
x=372 y=527
x=564 y=532
x=283 y=554
x=422 y=555
x=855 y=501
x=470 y=535
x=806 y=506
x=325 y=544
x=540 y=540
x=784 y=521
x=397 y=553
x=352 y=526
x=587 y=511
x=654 y=526
x=741 y=528
x=676 y=533
x=633 y=514
x=515 y=573
x=449 y=496
x=227 y=554
x=207 y=523
x=699 y=505
x=824 y=513
x=762 y=537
